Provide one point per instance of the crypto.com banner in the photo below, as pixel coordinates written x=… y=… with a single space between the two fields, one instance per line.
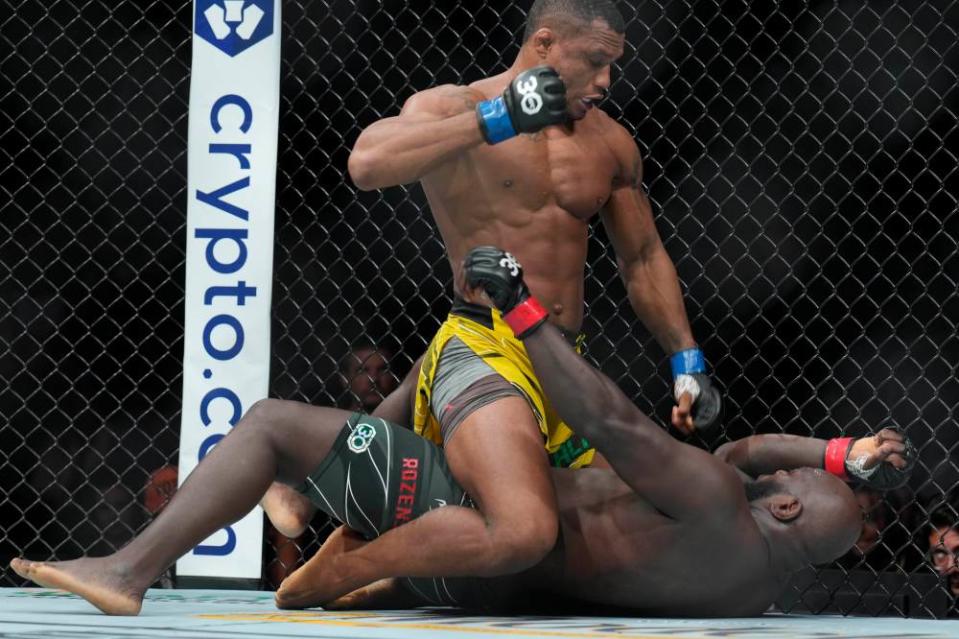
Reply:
x=231 y=182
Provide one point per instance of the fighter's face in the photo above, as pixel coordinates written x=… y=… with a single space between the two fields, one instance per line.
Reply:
x=795 y=482
x=369 y=377
x=873 y=521
x=584 y=62
x=944 y=551
x=764 y=486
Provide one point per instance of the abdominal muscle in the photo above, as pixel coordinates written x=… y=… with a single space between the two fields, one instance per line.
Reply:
x=548 y=241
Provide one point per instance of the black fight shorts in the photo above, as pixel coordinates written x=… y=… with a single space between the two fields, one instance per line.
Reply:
x=379 y=475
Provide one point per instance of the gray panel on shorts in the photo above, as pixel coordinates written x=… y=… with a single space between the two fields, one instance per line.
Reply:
x=457 y=368
x=463 y=384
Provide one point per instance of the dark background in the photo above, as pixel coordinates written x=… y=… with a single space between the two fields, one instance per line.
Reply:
x=801 y=161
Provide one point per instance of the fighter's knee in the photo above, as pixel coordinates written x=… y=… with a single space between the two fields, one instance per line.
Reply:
x=264 y=419
x=521 y=545
x=263 y=410
x=269 y=415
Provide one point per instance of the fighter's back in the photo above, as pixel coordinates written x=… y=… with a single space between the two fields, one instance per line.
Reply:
x=618 y=550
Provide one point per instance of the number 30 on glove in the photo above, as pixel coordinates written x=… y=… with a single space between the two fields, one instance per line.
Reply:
x=535 y=99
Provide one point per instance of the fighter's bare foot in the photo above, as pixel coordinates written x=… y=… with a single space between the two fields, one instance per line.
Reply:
x=94 y=579
x=289 y=511
x=385 y=594
x=328 y=575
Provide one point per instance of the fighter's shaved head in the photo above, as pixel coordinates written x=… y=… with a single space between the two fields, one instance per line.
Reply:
x=570 y=16
x=819 y=511
x=832 y=517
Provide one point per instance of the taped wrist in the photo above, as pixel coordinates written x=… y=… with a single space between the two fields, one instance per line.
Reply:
x=526 y=317
x=857 y=468
x=494 y=121
x=688 y=362
x=835 y=459
x=686 y=384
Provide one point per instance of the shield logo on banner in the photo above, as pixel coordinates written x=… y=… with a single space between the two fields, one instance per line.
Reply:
x=233 y=26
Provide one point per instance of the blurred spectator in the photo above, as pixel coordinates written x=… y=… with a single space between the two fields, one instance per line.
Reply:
x=366 y=376
x=875 y=547
x=943 y=538
x=159 y=489
x=157 y=493
x=875 y=513
x=83 y=488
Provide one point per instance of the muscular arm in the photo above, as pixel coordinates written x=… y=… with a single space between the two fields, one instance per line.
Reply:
x=651 y=281
x=433 y=127
x=680 y=480
x=765 y=454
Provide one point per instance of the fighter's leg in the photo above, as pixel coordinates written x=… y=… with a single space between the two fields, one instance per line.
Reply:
x=275 y=440
x=500 y=461
x=289 y=511
x=497 y=456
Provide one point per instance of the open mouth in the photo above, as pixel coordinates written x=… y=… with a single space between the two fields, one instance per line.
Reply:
x=590 y=102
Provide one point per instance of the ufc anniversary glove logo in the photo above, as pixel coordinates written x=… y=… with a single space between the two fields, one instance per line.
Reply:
x=532 y=102
x=534 y=99
x=509 y=261
x=360 y=438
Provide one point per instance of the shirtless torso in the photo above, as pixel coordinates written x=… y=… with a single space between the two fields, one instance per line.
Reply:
x=534 y=196
x=618 y=550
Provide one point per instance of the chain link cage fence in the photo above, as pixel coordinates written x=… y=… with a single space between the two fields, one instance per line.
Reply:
x=800 y=157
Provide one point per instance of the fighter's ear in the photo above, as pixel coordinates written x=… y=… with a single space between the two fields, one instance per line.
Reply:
x=785 y=507
x=543 y=40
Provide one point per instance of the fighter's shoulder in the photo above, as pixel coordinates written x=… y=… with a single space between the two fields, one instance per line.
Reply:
x=720 y=482
x=443 y=100
x=620 y=142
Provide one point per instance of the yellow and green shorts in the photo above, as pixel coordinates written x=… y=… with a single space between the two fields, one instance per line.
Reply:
x=473 y=360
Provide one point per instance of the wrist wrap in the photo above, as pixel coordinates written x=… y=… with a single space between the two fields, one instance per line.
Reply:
x=494 y=121
x=688 y=362
x=525 y=317
x=835 y=458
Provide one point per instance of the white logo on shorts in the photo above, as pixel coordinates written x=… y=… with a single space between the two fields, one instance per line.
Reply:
x=361 y=437
x=510 y=262
x=439 y=502
x=532 y=101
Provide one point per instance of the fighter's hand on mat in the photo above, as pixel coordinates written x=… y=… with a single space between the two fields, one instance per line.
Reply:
x=698 y=403
x=535 y=99
x=882 y=461
x=499 y=274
